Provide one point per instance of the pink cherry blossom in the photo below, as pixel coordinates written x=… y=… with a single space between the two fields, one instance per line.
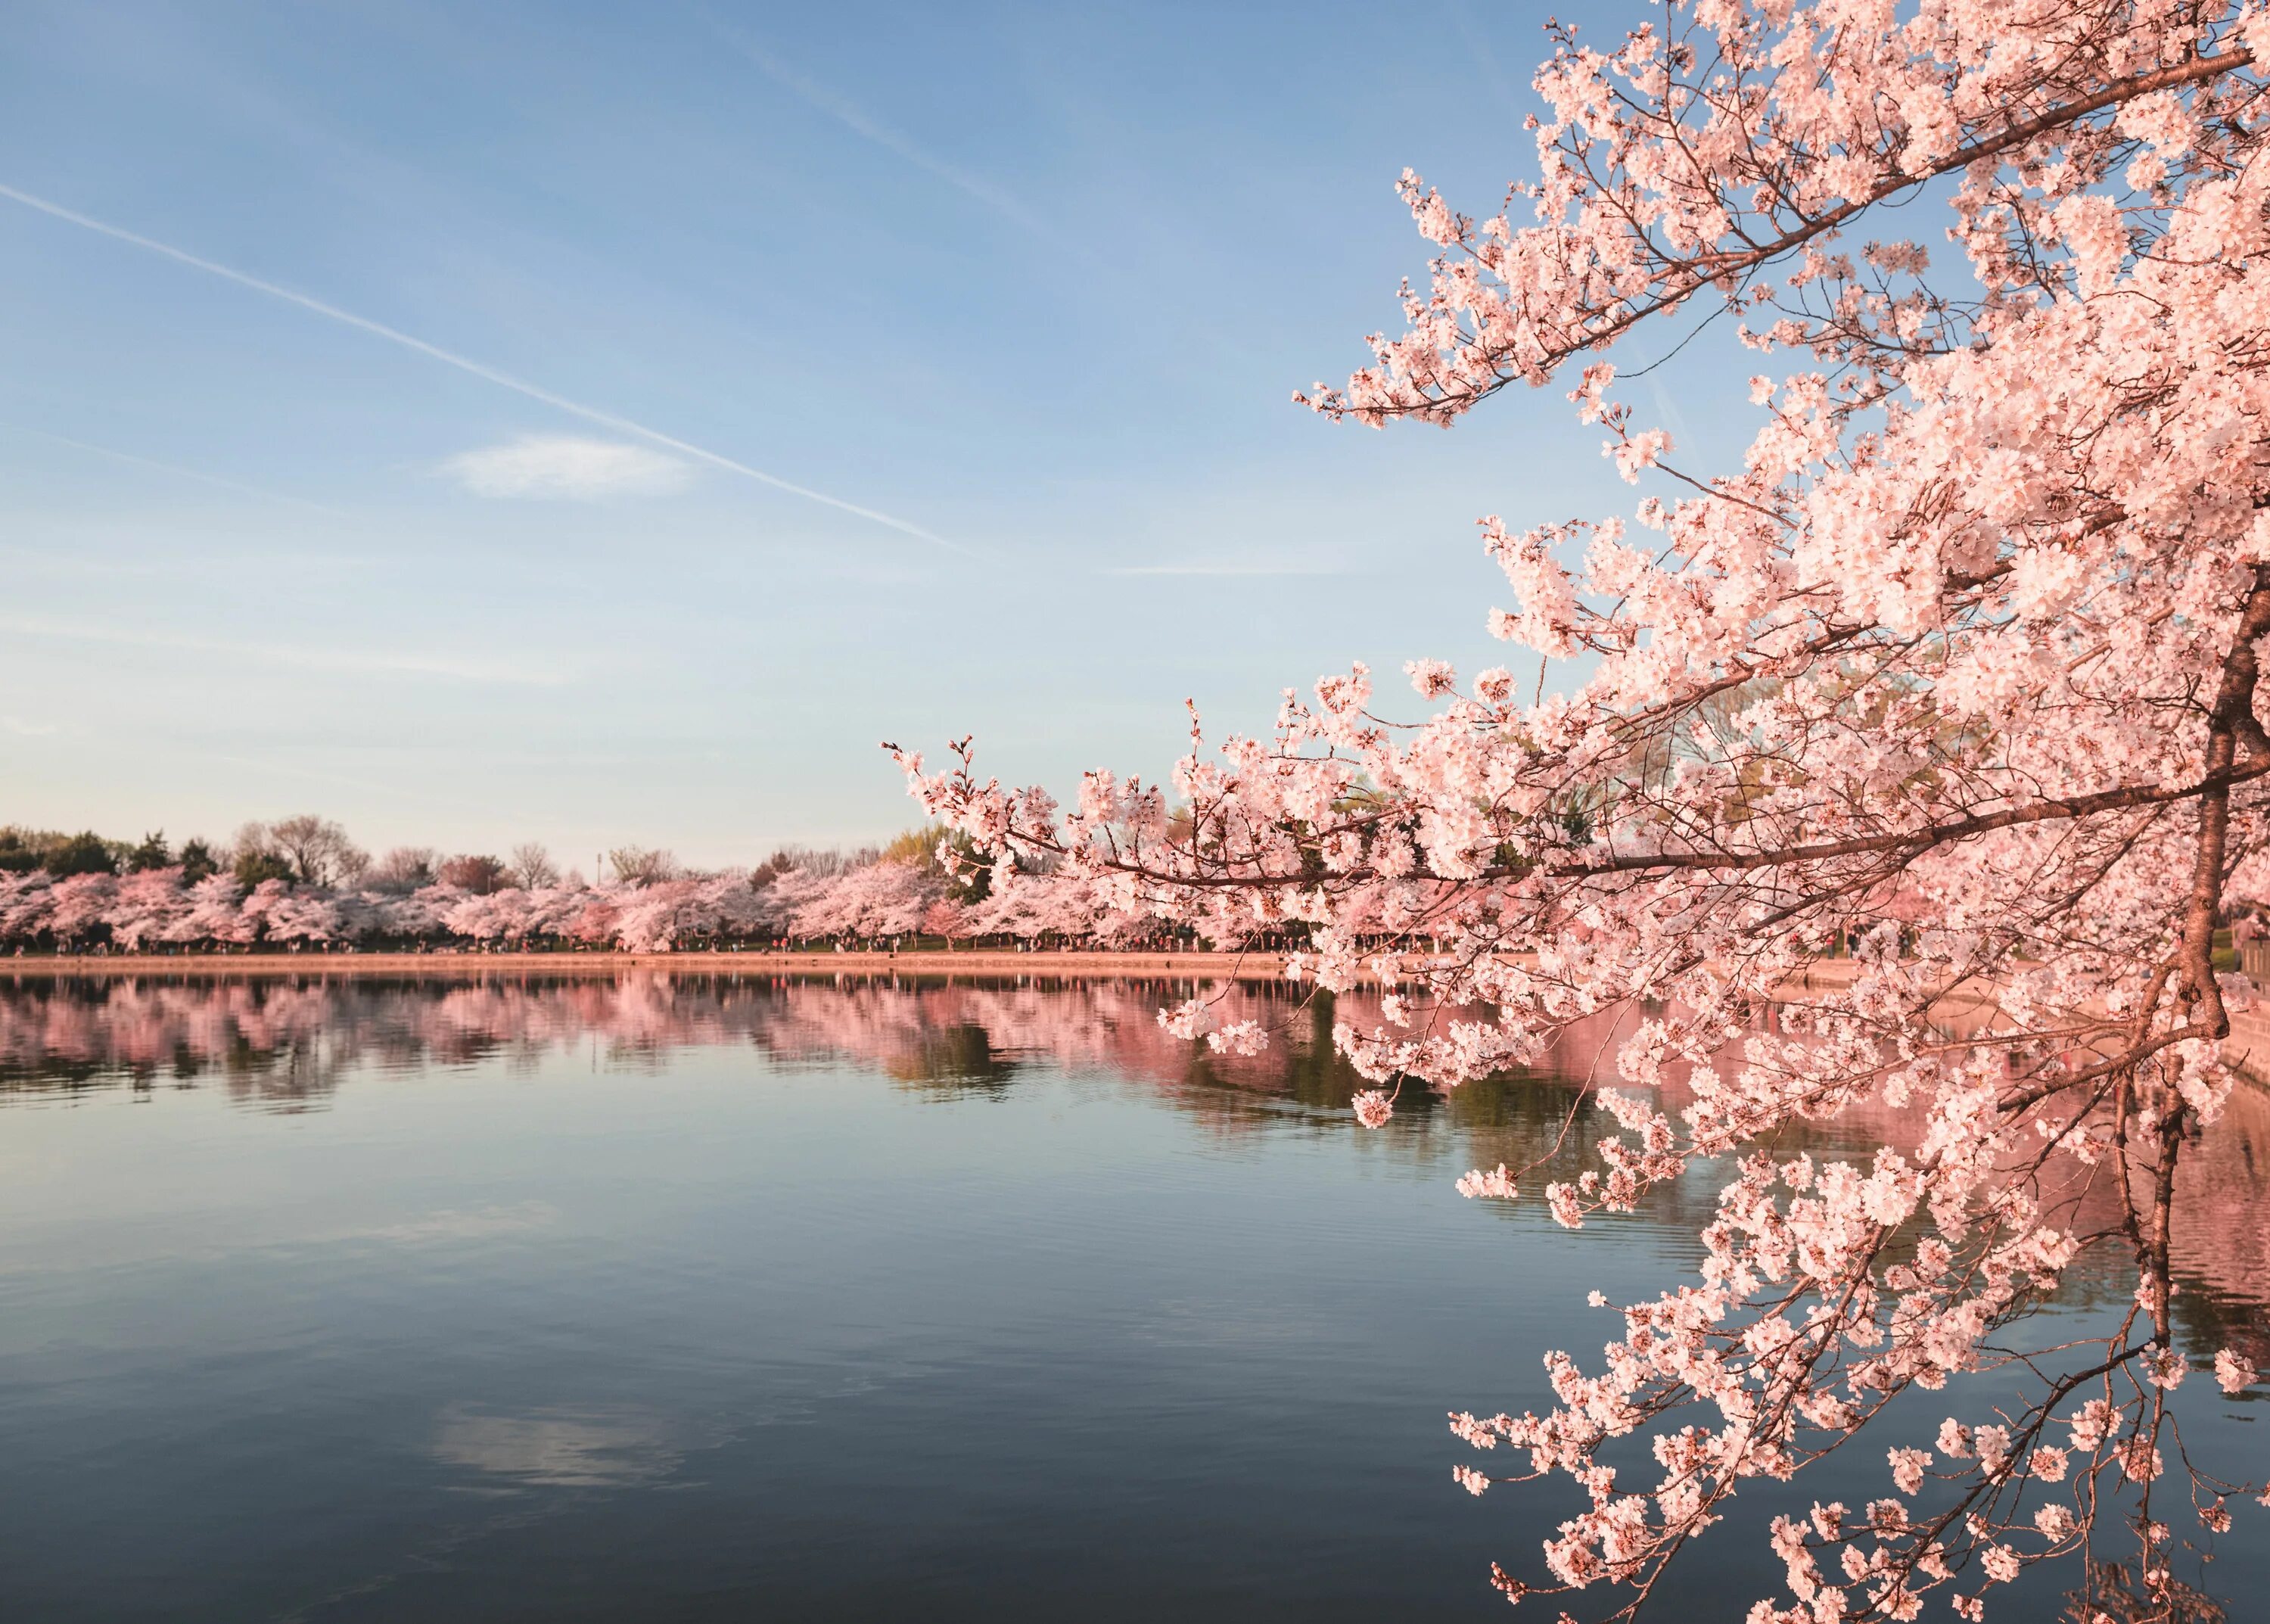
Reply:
x=2233 y=1371
x=1932 y=724
x=1372 y=1107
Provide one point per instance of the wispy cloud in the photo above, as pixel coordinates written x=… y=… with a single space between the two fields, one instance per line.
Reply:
x=864 y=124
x=503 y=380
x=22 y=728
x=175 y=469
x=1227 y=566
x=299 y=657
x=566 y=465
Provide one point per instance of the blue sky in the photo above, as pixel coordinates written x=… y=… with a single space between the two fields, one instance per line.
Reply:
x=1010 y=300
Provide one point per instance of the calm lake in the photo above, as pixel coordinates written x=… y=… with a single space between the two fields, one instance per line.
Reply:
x=734 y=1297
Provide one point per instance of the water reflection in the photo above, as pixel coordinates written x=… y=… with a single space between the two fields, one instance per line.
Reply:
x=286 y=1043
x=289 y=1043
x=800 y=1297
x=559 y=1448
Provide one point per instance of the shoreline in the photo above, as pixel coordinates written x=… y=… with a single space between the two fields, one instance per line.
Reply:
x=1237 y=967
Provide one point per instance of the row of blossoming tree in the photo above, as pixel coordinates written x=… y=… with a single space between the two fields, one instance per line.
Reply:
x=1958 y=665
x=162 y=908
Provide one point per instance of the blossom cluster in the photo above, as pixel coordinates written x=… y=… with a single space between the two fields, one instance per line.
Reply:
x=156 y=909
x=1954 y=678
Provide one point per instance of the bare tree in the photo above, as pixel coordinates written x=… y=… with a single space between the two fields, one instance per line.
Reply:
x=825 y=862
x=531 y=867
x=318 y=849
x=639 y=866
x=403 y=870
x=252 y=840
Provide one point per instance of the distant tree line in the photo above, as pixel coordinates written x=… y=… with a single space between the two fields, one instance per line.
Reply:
x=302 y=883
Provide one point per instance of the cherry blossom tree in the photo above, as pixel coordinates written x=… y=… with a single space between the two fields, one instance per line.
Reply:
x=411 y=895
x=491 y=915
x=422 y=916
x=874 y=900
x=554 y=910
x=785 y=895
x=26 y=901
x=362 y=915
x=215 y=914
x=1067 y=904
x=655 y=916
x=155 y=908
x=301 y=917
x=79 y=912
x=948 y=918
x=732 y=906
x=596 y=916
x=265 y=907
x=1957 y=668
x=148 y=904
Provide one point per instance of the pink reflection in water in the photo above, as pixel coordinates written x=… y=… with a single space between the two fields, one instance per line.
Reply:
x=288 y=1042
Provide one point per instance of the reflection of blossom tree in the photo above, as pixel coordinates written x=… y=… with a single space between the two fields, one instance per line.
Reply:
x=2114 y=1593
x=287 y=1043
x=265 y=1031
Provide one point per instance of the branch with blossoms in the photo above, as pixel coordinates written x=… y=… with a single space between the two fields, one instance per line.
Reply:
x=1690 y=162
x=1955 y=678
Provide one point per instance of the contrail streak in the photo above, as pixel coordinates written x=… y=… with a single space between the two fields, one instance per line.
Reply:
x=855 y=118
x=503 y=380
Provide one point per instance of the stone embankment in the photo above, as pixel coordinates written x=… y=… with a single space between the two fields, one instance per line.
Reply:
x=2247 y=1048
